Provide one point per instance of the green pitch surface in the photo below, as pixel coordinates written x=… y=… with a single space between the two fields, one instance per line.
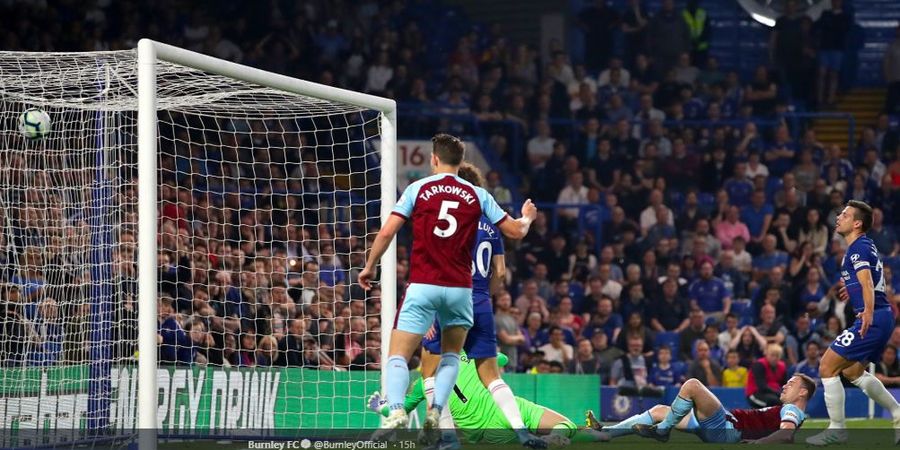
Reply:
x=864 y=434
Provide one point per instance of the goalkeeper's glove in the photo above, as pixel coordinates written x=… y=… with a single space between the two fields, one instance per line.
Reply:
x=376 y=402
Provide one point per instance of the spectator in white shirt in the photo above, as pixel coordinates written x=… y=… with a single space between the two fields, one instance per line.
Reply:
x=540 y=147
x=379 y=74
x=557 y=349
x=648 y=215
x=575 y=193
x=615 y=64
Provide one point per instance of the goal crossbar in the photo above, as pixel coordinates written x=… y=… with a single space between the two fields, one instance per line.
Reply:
x=149 y=54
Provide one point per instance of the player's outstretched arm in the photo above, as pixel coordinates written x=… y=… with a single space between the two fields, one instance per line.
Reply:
x=518 y=228
x=785 y=435
x=381 y=244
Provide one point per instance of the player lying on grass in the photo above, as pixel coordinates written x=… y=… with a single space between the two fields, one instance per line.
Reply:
x=697 y=410
x=479 y=418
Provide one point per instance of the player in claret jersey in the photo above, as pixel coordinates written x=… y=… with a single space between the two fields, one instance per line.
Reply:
x=698 y=411
x=445 y=211
x=863 y=279
x=488 y=273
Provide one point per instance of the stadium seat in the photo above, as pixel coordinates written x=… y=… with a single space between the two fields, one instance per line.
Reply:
x=740 y=307
x=670 y=338
x=706 y=200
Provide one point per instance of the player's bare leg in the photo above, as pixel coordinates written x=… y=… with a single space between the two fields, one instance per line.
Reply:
x=651 y=416
x=438 y=415
x=830 y=368
x=403 y=344
x=489 y=373
x=874 y=389
x=693 y=396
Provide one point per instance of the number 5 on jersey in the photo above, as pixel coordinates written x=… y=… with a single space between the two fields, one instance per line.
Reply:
x=444 y=214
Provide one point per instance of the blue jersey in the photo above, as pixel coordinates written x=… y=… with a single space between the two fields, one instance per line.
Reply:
x=488 y=243
x=862 y=254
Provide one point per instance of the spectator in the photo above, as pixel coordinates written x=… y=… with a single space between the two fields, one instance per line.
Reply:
x=694 y=331
x=670 y=312
x=703 y=368
x=767 y=376
x=634 y=27
x=635 y=327
x=758 y=217
x=533 y=333
x=603 y=318
x=833 y=29
x=598 y=23
x=575 y=193
x=761 y=94
x=604 y=284
x=810 y=365
x=735 y=280
x=585 y=360
x=540 y=147
x=732 y=228
x=885 y=238
x=631 y=369
x=785 y=232
x=669 y=36
x=749 y=344
x=557 y=350
x=509 y=337
x=770 y=257
x=734 y=375
x=604 y=353
x=768 y=327
x=814 y=231
x=888 y=369
x=780 y=155
x=662 y=373
x=786 y=46
x=649 y=215
x=730 y=332
x=708 y=293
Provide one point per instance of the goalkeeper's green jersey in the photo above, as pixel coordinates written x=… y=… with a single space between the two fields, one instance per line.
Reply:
x=473 y=408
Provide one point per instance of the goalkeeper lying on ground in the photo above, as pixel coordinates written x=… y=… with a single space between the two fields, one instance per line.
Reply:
x=480 y=420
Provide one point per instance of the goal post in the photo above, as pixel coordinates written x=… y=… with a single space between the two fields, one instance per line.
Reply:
x=179 y=190
x=149 y=53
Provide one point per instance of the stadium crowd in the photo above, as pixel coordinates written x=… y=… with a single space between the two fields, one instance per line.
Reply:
x=716 y=257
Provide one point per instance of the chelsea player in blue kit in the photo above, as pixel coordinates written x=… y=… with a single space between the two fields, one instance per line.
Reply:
x=488 y=273
x=863 y=286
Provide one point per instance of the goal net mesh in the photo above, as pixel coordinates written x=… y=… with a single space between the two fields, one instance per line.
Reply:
x=265 y=202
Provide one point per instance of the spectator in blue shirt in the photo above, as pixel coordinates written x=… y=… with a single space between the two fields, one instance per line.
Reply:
x=739 y=187
x=769 y=258
x=605 y=319
x=810 y=365
x=175 y=344
x=709 y=293
x=757 y=216
x=663 y=373
x=780 y=155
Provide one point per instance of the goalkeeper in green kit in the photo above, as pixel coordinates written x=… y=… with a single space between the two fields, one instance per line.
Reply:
x=479 y=418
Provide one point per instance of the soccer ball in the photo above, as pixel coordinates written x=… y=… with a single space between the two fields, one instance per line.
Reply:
x=34 y=123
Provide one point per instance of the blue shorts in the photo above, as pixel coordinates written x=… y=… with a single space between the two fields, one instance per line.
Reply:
x=481 y=341
x=451 y=305
x=717 y=429
x=831 y=59
x=852 y=347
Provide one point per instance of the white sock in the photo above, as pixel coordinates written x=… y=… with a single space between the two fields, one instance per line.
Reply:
x=504 y=398
x=874 y=388
x=834 y=401
x=446 y=421
x=428 y=385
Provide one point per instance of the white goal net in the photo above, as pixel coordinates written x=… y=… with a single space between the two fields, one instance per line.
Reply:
x=265 y=202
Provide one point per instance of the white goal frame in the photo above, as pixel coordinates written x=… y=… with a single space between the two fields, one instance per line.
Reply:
x=149 y=53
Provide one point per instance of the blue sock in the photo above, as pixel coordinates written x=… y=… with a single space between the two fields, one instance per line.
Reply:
x=444 y=379
x=623 y=428
x=397 y=381
x=680 y=408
